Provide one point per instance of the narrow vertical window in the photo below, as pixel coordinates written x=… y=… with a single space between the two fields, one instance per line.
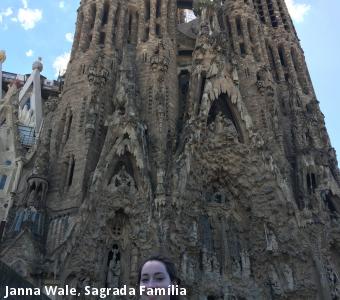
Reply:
x=93 y=15
x=309 y=184
x=158 y=8
x=130 y=28
x=272 y=62
x=3 y=179
x=147 y=10
x=105 y=13
x=238 y=26
x=102 y=38
x=69 y=124
x=71 y=171
x=242 y=49
x=158 y=30
x=282 y=56
x=220 y=20
x=314 y=186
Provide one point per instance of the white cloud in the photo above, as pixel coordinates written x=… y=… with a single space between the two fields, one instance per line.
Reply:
x=61 y=4
x=69 y=37
x=60 y=63
x=28 y=17
x=29 y=53
x=297 y=10
x=5 y=13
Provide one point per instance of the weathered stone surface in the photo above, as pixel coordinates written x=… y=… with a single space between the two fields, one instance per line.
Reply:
x=204 y=139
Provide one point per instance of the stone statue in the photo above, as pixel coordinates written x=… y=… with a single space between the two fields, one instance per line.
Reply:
x=193 y=233
x=274 y=282
x=245 y=261
x=122 y=180
x=272 y=244
x=113 y=274
x=288 y=274
x=32 y=198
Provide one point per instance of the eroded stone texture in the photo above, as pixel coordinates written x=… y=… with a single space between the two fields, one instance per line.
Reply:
x=204 y=139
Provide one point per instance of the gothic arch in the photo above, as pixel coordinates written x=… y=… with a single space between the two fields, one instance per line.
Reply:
x=220 y=87
x=223 y=103
x=221 y=106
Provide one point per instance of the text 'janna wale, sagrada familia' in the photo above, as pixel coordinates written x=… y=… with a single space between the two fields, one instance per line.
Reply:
x=185 y=126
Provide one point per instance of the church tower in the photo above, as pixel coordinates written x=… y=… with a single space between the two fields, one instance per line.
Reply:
x=186 y=127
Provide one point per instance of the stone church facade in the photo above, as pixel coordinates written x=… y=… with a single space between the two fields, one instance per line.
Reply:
x=202 y=138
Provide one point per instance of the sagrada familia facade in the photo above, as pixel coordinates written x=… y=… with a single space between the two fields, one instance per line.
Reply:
x=201 y=137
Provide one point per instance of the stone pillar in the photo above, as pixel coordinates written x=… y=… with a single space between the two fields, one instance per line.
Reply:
x=84 y=32
x=266 y=12
x=235 y=35
x=141 y=25
x=121 y=27
x=153 y=18
x=109 y=31
x=278 y=65
x=290 y=64
x=245 y=33
x=58 y=231
x=97 y=25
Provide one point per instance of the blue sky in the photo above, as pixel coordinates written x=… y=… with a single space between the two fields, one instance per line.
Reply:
x=33 y=28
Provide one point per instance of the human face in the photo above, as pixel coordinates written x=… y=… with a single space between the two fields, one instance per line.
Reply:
x=154 y=275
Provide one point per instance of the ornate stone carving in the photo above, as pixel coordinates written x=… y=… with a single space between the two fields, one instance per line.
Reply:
x=114 y=269
x=98 y=74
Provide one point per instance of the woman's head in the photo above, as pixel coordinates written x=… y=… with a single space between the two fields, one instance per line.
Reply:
x=157 y=272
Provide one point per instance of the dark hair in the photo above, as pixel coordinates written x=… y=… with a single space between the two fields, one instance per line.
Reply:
x=169 y=266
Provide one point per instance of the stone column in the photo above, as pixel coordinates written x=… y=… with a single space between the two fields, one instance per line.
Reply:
x=134 y=27
x=141 y=25
x=234 y=34
x=109 y=31
x=290 y=64
x=85 y=32
x=121 y=27
x=152 y=18
x=97 y=25
x=278 y=65
x=164 y=20
x=245 y=33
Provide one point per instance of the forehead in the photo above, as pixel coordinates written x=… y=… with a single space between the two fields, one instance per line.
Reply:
x=154 y=266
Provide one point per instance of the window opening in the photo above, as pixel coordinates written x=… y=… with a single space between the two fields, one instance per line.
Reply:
x=3 y=179
x=105 y=14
